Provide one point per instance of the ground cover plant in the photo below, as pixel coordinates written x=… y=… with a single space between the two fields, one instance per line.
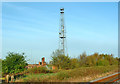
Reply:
x=66 y=75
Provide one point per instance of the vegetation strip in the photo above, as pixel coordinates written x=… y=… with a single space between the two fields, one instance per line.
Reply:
x=61 y=68
x=67 y=75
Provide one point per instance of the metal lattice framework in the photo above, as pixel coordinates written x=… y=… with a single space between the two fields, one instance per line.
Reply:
x=62 y=33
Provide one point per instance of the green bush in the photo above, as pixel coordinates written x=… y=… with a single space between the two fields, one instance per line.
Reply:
x=103 y=62
x=39 y=70
x=14 y=63
x=60 y=60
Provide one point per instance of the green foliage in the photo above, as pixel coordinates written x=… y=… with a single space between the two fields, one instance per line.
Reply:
x=14 y=63
x=85 y=71
x=38 y=70
x=97 y=60
x=103 y=62
x=64 y=75
x=64 y=62
x=83 y=59
x=74 y=63
x=60 y=60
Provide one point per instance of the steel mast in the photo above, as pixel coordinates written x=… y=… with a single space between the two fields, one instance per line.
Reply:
x=62 y=33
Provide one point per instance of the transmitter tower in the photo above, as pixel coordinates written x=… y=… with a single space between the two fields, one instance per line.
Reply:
x=62 y=33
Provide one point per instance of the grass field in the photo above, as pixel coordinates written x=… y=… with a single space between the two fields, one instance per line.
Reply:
x=82 y=74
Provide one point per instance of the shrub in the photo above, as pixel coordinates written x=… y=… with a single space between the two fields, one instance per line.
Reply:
x=39 y=70
x=13 y=63
x=102 y=62
x=60 y=60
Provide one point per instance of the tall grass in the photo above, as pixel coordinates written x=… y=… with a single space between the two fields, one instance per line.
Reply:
x=85 y=71
x=38 y=70
x=64 y=75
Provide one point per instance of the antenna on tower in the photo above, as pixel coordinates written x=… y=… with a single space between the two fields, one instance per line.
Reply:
x=62 y=33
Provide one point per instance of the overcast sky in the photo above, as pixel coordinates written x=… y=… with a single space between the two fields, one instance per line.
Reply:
x=33 y=28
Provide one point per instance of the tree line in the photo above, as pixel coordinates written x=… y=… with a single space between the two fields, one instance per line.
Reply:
x=15 y=62
x=83 y=60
